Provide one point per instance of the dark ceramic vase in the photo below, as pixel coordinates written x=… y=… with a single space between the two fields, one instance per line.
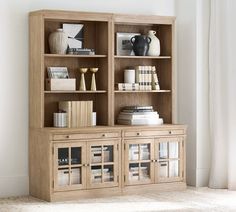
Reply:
x=140 y=44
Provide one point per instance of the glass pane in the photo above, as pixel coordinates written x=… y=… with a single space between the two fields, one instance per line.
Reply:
x=63 y=177
x=96 y=174
x=133 y=172
x=108 y=173
x=174 y=168
x=63 y=156
x=163 y=169
x=163 y=150
x=108 y=153
x=144 y=151
x=75 y=176
x=75 y=155
x=96 y=154
x=173 y=149
x=133 y=152
x=145 y=171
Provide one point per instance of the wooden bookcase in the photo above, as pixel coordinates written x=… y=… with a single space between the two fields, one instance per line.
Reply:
x=69 y=152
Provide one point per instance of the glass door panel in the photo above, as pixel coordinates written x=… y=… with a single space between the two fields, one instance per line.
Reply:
x=75 y=155
x=63 y=177
x=63 y=156
x=145 y=171
x=163 y=169
x=163 y=150
x=133 y=172
x=145 y=151
x=139 y=163
x=96 y=154
x=133 y=152
x=76 y=176
x=173 y=150
x=103 y=162
x=96 y=174
x=168 y=154
x=174 y=168
x=108 y=173
x=108 y=153
x=68 y=167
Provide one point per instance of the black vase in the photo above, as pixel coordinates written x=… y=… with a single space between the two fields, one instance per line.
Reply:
x=140 y=44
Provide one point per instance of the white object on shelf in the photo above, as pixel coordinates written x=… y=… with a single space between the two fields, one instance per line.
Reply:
x=129 y=76
x=58 y=42
x=60 y=84
x=154 y=46
x=60 y=119
x=94 y=119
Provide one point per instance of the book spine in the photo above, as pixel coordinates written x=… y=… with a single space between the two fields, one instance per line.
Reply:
x=155 y=81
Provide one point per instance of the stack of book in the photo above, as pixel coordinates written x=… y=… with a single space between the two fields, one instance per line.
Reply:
x=127 y=86
x=79 y=113
x=139 y=115
x=143 y=76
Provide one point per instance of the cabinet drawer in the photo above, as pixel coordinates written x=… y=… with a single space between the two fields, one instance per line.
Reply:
x=76 y=136
x=153 y=133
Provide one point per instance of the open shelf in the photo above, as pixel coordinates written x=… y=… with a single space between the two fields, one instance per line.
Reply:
x=83 y=92
x=142 y=57
x=153 y=91
x=73 y=56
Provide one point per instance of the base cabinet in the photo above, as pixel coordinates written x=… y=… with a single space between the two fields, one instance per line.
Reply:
x=154 y=160
x=85 y=164
x=70 y=164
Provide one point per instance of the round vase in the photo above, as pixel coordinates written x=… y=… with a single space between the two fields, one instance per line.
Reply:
x=154 y=46
x=140 y=44
x=58 y=42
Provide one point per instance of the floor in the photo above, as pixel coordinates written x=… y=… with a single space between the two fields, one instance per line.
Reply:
x=192 y=199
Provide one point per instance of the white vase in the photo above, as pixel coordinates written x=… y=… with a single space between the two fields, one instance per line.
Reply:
x=58 y=42
x=154 y=46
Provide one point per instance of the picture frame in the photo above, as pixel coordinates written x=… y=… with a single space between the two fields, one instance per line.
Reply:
x=123 y=43
x=75 y=34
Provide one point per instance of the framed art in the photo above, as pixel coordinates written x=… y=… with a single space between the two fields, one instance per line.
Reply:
x=123 y=43
x=75 y=35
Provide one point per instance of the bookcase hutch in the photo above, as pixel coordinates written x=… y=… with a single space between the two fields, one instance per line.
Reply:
x=133 y=159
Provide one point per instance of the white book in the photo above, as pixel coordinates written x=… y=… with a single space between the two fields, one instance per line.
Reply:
x=141 y=121
x=155 y=81
x=130 y=116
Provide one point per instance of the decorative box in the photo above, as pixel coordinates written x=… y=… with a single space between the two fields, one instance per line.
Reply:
x=60 y=84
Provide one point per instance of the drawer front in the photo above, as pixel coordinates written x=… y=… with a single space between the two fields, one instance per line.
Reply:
x=154 y=133
x=84 y=136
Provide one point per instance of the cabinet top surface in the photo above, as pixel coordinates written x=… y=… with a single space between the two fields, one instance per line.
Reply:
x=116 y=17
x=116 y=127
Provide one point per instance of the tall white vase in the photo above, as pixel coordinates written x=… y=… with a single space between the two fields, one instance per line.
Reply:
x=154 y=46
x=58 y=42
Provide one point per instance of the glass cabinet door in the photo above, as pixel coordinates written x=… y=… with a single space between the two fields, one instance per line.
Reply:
x=139 y=165
x=103 y=163
x=69 y=171
x=169 y=157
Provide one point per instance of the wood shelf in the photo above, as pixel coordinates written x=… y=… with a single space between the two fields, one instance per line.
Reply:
x=153 y=91
x=73 y=56
x=142 y=57
x=83 y=92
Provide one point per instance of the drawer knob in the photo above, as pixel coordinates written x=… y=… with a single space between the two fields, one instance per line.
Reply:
x=138 y=133
x=103 y=135
x=67 y=136
x=169 y=132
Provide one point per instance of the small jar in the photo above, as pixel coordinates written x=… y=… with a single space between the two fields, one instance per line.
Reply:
x=129 y=76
